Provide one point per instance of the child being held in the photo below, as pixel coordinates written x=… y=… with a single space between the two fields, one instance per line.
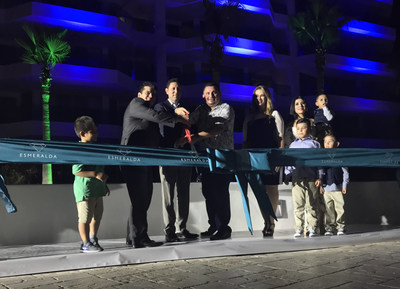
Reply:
x=322 y=117
x=89 y=189
x=333 y=189
x=306 y=181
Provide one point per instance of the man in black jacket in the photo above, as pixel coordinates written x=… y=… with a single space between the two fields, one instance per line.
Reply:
x=171 y=176
x=140 y=128
x=215 y=123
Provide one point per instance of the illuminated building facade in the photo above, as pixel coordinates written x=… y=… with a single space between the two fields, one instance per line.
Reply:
x=118 y=44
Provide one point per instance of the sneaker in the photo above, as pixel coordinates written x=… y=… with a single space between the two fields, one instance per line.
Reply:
x=95 y=243
x=328 y=233
x=312 y=233
x=89 y=248
x=297 y=234
x=340 y=232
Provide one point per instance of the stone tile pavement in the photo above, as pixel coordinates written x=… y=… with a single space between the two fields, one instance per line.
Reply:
x=373 y=265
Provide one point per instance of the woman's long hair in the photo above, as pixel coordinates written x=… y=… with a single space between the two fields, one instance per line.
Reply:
x=293 y=111
x=269 y=106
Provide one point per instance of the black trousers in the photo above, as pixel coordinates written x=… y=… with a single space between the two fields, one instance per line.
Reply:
x=139 y=182
x=215 y=189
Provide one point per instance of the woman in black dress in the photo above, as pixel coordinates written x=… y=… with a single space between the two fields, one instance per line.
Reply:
x=263 y=128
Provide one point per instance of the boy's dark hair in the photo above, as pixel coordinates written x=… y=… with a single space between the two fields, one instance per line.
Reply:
x=171 y=81
x=322 y=93
x=332 y=136
x=83 y=124
x=147 y=83
x=304 y=120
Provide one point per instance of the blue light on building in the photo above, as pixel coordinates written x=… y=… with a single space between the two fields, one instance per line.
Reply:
x=370 y=29
x=248 y=48
x=72 y=19
x=357 y=65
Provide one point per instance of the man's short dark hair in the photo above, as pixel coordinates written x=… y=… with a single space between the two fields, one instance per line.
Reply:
x=304 y=120
x=171 y=81
x=147 y=83
x=216 y=86
x=83 y=124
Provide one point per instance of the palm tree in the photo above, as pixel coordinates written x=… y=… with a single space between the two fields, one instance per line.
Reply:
x=220 y=22
x=45 y=50
x=318 y=26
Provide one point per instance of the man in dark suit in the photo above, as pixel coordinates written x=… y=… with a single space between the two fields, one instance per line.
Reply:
x=140 y=128
x=174 y=176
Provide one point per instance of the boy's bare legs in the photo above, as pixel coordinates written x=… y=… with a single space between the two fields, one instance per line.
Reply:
x=94 y=227
x=83 y=229
x=91 y=238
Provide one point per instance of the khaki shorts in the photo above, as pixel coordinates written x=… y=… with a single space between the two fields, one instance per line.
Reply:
x=90 y=208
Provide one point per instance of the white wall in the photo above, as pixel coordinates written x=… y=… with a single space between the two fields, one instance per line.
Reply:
x=47 y=213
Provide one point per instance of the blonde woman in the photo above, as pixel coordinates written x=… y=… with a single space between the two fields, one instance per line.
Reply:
x=264 y=128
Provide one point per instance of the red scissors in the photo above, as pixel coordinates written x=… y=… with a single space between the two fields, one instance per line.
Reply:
x=188 y=135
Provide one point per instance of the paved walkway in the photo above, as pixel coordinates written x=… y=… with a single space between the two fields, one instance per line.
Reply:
x=374 y=265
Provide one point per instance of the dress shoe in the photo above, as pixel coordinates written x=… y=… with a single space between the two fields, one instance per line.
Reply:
x=147 y=243
x=208 y=233
x=171 y=237
x=188 y=236
x=222 y=234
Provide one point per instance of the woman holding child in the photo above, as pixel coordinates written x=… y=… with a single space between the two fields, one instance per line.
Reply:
x=264 y=128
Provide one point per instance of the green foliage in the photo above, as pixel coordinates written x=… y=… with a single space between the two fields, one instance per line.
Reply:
x=43 y=49
x=222 y=19
x=318 y=26
x=220 y=22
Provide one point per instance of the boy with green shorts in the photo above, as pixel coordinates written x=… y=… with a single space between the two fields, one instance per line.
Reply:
x=89 y=189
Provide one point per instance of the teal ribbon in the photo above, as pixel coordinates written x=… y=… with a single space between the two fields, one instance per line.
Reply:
x=254 y=160
x=56 y=152
x=245 y=164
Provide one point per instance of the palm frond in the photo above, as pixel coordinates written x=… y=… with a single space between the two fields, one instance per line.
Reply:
x=56 y=50
x=31 y=34
x=44 y=49
x=319 y=25
x=61 y=34
x=301 y=28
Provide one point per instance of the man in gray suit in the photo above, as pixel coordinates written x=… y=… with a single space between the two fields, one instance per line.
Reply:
x=140 y=128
